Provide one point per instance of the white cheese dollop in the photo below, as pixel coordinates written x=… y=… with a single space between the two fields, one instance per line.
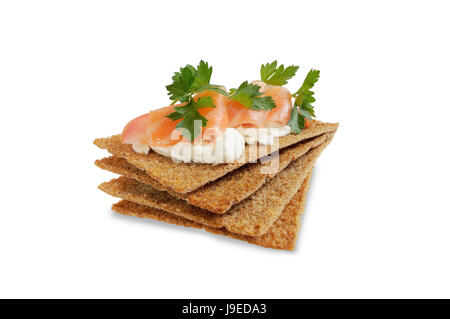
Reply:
x=141 y=148
x=263 y=135
x=225 y=149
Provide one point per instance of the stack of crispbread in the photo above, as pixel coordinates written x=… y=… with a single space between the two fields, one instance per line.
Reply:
x=258 y=199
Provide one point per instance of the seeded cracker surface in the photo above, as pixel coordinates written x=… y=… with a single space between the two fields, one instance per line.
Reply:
x=187 y=177
x=281 y=235
x=252 y=216
x=220 y=195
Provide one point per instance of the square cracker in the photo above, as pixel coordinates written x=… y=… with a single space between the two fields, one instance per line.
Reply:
x=281 y=235
x=252 y=216
x=220 y=195
x=187 y=177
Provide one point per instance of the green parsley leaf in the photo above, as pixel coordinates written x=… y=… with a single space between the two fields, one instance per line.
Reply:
x=297 y=121
x=303 y=108
x=304 y=94
x=204 y=72
x=188 y=81
x=267 y=70
x=175 y=116
x=250 y=96
x=204 y=102
x=182 y=82
x=192 y=120
x=191 y=124
x=272 y=75
x=263 y=103
x=307 y=110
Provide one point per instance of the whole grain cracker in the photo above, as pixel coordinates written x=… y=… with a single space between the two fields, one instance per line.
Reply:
x=219 y=196
x=281 y=235
x=187 y=177
x=252 y=216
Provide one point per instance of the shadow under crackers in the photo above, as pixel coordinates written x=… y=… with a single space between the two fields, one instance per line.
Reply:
x=198 y=232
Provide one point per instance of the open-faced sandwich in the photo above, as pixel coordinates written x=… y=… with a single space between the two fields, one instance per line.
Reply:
x=234 y=162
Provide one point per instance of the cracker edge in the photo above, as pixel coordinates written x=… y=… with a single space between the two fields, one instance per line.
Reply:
x=272 y=239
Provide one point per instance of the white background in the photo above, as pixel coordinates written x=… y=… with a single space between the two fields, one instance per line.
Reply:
x=377 y=221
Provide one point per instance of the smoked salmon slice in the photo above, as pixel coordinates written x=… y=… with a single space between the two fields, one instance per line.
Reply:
x=242 y=116
x=156 y=129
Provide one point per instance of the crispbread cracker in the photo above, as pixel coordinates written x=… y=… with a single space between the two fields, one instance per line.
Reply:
x=187 y=177
x=252 y=216
x=219 y=196
x=281 y=235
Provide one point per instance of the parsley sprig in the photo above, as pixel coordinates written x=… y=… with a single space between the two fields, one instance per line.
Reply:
x=303 y=108
x=188 y=81
x=192 y=120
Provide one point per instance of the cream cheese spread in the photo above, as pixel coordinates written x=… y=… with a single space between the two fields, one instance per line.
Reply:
x=225 y=149
x=263 y=135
